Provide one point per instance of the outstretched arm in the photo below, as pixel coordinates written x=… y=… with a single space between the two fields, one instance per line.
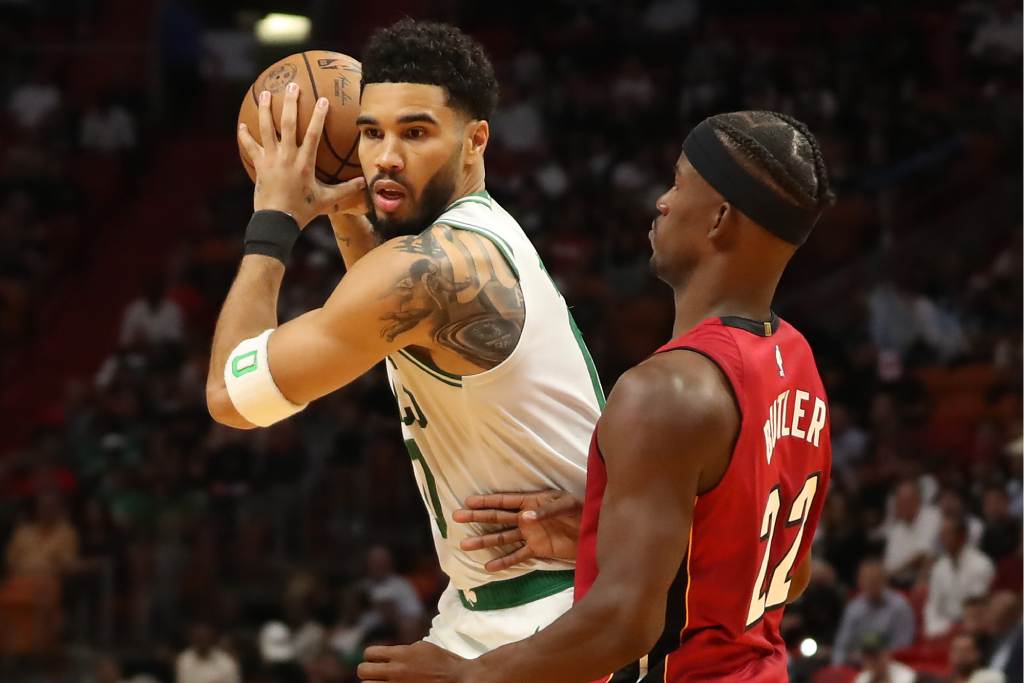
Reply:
x=667 y=429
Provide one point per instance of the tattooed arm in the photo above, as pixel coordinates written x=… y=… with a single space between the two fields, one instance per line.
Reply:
x=465 y=295
x=448 y=296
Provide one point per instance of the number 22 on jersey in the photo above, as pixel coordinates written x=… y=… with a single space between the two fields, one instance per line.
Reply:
x=778 y=587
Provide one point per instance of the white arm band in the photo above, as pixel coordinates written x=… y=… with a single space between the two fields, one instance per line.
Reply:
x=251 y=386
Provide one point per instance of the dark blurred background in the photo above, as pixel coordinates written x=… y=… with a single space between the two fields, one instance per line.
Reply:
x=143 y=542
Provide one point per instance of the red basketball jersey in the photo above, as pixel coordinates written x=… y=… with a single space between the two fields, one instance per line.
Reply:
x=753 y=528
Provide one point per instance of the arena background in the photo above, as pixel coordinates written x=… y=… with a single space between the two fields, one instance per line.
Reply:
x=133 y=525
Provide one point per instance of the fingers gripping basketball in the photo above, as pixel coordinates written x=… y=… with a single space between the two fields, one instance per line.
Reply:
x=319 y=74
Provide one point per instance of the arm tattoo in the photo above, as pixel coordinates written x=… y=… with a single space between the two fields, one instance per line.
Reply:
x=477 y=313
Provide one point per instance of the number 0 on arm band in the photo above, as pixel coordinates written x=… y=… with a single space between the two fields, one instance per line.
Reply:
x=251 y=386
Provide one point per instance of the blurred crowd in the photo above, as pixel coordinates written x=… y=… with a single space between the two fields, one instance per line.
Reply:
x=143 y=542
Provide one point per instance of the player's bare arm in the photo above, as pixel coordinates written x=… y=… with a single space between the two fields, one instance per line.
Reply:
x=445 y=295
x=353 y=233
x=672 y=399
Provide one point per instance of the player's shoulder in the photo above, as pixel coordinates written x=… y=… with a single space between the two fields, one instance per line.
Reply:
x=681 y=387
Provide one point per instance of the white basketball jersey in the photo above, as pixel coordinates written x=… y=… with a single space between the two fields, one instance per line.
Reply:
x=524 y=425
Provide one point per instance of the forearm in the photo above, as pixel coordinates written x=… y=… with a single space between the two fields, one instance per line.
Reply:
x=354 y=235
x=602 y=633
x=249 y=309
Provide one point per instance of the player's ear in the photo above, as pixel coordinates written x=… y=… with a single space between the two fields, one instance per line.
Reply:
x=722 y=228
x=477 y=134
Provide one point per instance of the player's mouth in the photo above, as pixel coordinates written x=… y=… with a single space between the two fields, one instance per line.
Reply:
x=388 y=195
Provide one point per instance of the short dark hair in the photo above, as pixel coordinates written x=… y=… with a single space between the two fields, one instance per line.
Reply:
x=959 y=523
x=427 y=52
x=779 y=150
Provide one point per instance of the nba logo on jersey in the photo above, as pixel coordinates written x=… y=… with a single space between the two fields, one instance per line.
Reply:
x=778 y=359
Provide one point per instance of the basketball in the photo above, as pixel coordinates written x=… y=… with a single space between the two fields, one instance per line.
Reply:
x=318 y=73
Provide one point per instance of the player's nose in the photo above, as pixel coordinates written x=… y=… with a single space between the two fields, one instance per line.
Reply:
x=390 y=160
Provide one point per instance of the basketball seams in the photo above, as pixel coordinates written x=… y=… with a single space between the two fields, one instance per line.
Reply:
x=345 y=163
x=325 y=137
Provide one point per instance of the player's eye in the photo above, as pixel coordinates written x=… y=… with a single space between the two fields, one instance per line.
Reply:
x=415 y=133
x=373 y=133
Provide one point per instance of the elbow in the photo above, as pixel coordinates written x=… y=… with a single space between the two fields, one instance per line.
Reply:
x=222 y=410
x=640 y=628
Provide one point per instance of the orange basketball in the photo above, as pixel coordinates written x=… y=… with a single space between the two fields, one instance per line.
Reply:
x=319 y=74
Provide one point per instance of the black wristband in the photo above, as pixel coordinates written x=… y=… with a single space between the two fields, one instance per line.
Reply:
x=271 y=233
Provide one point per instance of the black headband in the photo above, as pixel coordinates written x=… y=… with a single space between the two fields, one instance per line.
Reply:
x=760 y=203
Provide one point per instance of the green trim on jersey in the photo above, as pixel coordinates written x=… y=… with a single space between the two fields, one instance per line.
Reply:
x=521 y=590
x=482 y=198
x=588 y=359
x=435 y=372
x=502 y=246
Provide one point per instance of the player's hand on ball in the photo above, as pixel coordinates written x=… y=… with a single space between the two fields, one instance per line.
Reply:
x=285 y=172
x=417 y=663
x=544 y=524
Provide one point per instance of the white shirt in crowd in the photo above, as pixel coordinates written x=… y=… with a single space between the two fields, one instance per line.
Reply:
x=152 y=325
x=905 y=540
x=400 y=591
x=895 y=673
x=216 y=667
x=108 y=130
x=951 y=584
x=33 y=102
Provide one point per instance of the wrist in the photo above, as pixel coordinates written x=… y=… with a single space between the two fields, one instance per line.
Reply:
x=271 y=233
x=474 y=671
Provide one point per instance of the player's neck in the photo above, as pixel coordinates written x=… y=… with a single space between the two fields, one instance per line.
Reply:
x=471 y=184
x=712 y=293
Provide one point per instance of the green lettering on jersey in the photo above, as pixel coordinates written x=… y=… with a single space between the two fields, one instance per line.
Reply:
x=435 y=502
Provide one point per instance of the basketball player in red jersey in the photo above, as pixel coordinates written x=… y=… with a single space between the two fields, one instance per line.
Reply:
x=708 y=470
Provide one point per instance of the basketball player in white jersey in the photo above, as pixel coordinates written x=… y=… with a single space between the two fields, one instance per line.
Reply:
x=495 y=388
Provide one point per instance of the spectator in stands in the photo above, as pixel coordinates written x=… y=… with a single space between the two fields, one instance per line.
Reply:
x=965 y=660
x=152 y=318
x=108 y=670
x=960 y=573
x=33 y=102
x=307 y=634
x=911 y=534
x=41 y=552
x=1005 y=630
x=876 y=610
x=203 y=661
x=951 y=504
x=849 y=442
x=277 y=652
x=1002 y=530
x=108 y=128
x=878 y=667
x=383 y=584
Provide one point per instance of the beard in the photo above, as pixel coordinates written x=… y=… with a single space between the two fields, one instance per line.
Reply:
x=436 y=195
